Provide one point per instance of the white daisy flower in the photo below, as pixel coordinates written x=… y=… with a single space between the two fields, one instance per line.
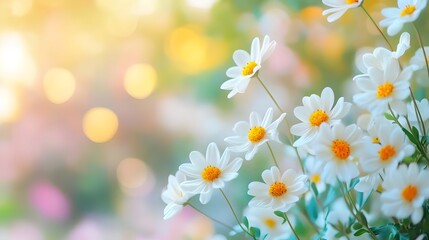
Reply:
x=209 y=172
x=279 y=191
x=392 y=147
x=340 y=216
x=338 y=148
x=381 y=56
x=419 y=59
x=315 y=111
x=314 y=171
x=405 y=190
x=407 y=11
x=423 y=107
x=339 y=7
x=269 y=223
x=247 y=65
x=383 y=87
x=370 y=182
x=174 y=196
x=251 y=135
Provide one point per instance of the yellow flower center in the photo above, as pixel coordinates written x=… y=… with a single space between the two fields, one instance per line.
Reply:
x=256 y=134
x=376 y=140
x=408 y=10
x=211 y=173
x=409 y=193
x=341 y=149
x=270 y=223
x=277 y=189
x=384 y=90
x=318 y=117
x=379 y=188
x=315 y=178
x=351 y=1
x=386 y=153
x=248 y=69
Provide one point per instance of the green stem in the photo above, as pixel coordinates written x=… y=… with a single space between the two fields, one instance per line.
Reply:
x=235 y=215
x=423 y=48
x=418 y=114
x=272 y=154
x=307 y=217
x=211 y=218
x=378 y=28
x=352 y=206
x=269 y=93
x=291 y=227
x=289 y=134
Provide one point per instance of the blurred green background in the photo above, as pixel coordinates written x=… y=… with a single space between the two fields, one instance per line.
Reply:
x=100 y=100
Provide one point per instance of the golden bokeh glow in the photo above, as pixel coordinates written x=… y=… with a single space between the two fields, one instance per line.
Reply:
x=100 y=124
x=140 y=80
x=16 y=66
x=194 y=52
x=59 y=85
x=132 y=173
x=9 y=105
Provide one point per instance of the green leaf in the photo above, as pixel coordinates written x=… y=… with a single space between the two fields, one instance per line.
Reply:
x=360 y=232
x=357 y=226
x=246 y=222
x=389 y=117
x=314 y=188
x=280 y=214
x=255 y=232
x=410 y=136
x=353 y=183
x=362 y=218
x=312 y=209
x=415 y=132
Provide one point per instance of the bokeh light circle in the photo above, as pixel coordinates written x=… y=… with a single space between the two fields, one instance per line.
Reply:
x=132 y=173
x=140 y=80
x=59 y=85
x=100 y=124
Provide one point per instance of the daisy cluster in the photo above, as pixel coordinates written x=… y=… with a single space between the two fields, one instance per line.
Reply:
x=361 y=180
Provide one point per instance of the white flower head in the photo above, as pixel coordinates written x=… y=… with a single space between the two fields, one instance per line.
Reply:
x=407 y=11
x=314 y=171
x=370 y=182
x=269 y=223
x=209 y=172
x=251 y=135
x=174 y=196
x=247 y=65
x=381 y=56
x=423 y=107
x=279 y=191
x=315 y=111
x=379 y=88
x=405 y=190
x=339 y=7
x=338 y=147
x=419 y=59
x=390 y=146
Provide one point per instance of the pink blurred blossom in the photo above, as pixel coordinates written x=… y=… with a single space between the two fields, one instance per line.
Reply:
x=49 y=201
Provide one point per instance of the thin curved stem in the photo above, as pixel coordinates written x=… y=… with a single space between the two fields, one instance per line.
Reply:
x=269 y=93
x=291 y=227
x=305 y=214
x=235 y=215
x=423 y=47
x=210 y=217
x=289 y=134
x=352 y=206
x=418 y=114
x=378 y=28
x=272 y=155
